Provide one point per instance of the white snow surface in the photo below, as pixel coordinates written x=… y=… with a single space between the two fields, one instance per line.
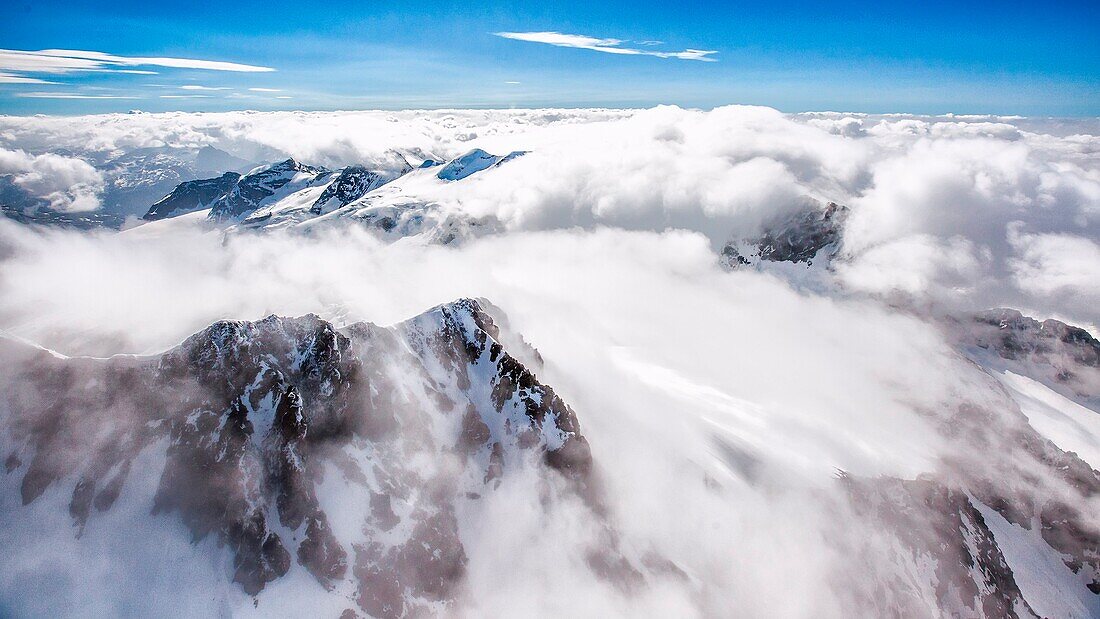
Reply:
x=1068 y=424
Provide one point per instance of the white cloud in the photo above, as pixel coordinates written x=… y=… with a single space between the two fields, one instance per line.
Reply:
x=8 y=78
x=65 y=183
x=638 y=330
x=918 y=265
x=1063 y=269
x=61 y=61
x=608 y=46
x=68 y=95
x=198 y=87
x=932 y=198
x=265 y=90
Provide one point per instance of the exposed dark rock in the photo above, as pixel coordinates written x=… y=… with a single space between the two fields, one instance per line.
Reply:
x=192 y=196
x=352 y=183
x=1063 y=357
x=252 y=414
x=942 y=530
x=252 y=189
x=798 y=238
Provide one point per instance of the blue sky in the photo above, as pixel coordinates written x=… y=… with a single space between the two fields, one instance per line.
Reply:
x=885 y=56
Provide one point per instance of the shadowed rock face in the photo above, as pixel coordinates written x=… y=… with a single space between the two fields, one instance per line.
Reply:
x=949 y=563
x=256 y=419
x=941 y=534
x=1064 y=357
x=192 y=196
x=996 y=464
x=799 y=238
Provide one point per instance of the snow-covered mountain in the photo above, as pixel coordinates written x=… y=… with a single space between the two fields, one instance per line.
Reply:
x=359 y=456
x=799 y=237
x=397 y=201
x=265 y=185
x=347 y=452
x=352 y=183
x=471 y=163
x=769 y=386
x=192 y=196
x=1063 y=357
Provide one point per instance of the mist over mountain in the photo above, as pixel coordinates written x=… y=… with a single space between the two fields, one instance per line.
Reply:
x=660 y=362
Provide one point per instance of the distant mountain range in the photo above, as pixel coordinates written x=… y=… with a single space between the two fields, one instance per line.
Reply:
x=293 y=194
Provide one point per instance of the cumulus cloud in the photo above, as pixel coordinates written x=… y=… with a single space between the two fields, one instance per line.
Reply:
x=918 y=265
x=607 y=46
x=65 y=183
x=1062 y=268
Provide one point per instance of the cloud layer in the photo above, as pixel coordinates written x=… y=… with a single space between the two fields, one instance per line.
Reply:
x=672 y=364
x=959 y=211
x=718 y=403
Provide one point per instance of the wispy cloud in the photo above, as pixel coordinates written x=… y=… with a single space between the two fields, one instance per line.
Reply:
x=265 y=90
x=15 y=65
x=185 y=96
x=68 y=95
x=9 y=78
x=197 y=87
x=608 y=46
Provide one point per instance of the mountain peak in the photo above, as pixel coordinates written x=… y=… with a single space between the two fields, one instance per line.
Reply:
x=472 y=162
x=192 y=196
x=352 y=183
x=279 y=400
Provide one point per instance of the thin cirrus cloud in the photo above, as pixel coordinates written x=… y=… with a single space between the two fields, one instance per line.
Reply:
x=607 y=46
x=16 y=64
x=197 y=87
x=9 y=78
x=68 y=95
